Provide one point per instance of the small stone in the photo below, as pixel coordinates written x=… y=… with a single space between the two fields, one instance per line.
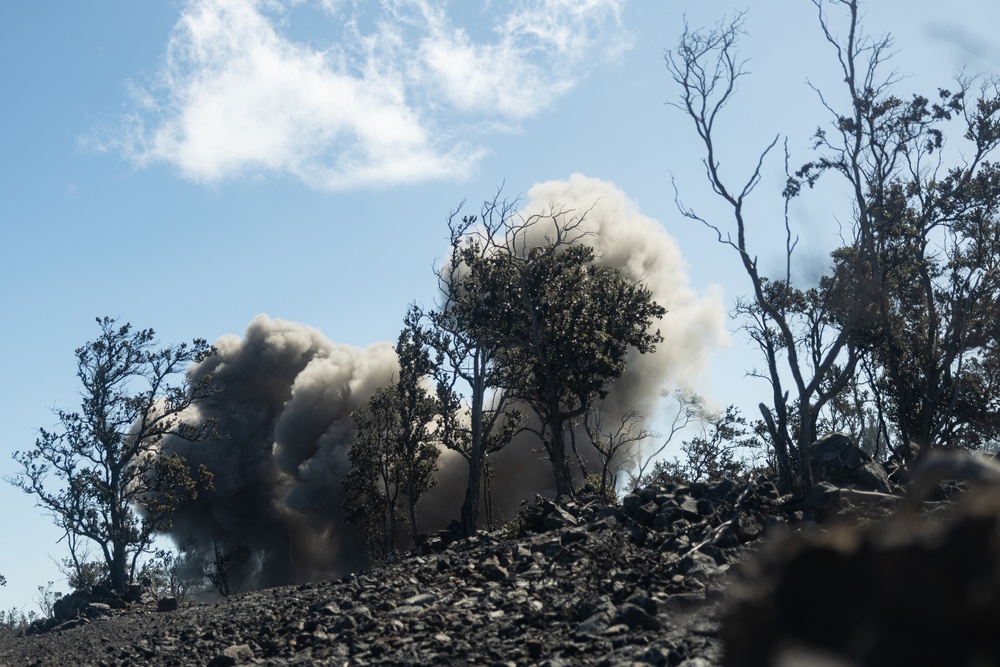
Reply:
x=593 y=626
x=635 y=617
x=420 y=600
x=495 y=572
x=558 y=518
x=233 y=655
x=683 y=601
x=167 y=604
x=405 y=610
x=326 y=607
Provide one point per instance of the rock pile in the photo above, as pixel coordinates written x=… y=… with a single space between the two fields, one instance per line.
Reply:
x=83 y=606
x=578 y=582
x=566 y=583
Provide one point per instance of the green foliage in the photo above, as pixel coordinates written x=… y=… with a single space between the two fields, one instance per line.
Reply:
x=104 y=462
x=14 y=620
x=474 y=419
x=373 y=484
x=564 y=324
x=85 y=574
x=417 y=409
x=721 y=451
x=393 y=456
x=597 y=484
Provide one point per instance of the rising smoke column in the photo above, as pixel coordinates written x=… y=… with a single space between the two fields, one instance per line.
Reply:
x=286 y=393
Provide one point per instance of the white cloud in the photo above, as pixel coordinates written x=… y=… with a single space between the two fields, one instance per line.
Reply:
x=237 y=94
x=540 y=52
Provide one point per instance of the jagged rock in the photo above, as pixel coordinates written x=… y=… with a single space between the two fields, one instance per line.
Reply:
x=232 y=655
x=631 y=503
x=837 y=460
x=594 y=625
x=494 y=572
x=95 y=609
x=635 y=616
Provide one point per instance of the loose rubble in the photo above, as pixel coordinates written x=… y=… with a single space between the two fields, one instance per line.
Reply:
x=567 y=583
x=573 y=582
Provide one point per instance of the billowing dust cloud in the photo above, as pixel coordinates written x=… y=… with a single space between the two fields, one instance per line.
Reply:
x=285 y=396
x=286 y=393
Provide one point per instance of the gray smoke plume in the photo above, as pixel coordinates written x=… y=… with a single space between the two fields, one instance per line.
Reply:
x=286 y=393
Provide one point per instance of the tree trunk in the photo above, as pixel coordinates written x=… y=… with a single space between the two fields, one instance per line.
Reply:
x=807 y=436
x=777 y=433
x=557 y=454
x=470 y=507
x=119 y=574
x=412 y=506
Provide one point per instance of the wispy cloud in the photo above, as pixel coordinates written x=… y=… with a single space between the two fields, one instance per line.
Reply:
x=970 y=49
x=388 y=99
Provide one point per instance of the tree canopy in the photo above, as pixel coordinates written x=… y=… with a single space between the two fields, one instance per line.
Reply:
x=101 y=474
x=910 y=302
x=563 y=324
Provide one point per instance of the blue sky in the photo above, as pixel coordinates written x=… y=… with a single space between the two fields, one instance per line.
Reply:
x=188 y=165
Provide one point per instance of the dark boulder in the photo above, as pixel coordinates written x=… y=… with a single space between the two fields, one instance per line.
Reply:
x=836 y=459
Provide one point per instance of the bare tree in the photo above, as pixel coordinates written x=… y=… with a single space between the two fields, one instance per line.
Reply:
x=811 y=335
x=228 y=570
x=690 y=410
x=617 y=439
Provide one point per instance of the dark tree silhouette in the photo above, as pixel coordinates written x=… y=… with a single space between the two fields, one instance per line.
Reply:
x=563 y=324
x=101 y=474
x=863 y=313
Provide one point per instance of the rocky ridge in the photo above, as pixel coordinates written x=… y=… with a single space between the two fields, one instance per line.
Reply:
x=567 y=583
x=574 y=582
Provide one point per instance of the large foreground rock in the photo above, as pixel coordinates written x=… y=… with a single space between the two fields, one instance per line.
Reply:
x=837 y=460
x=917 y=589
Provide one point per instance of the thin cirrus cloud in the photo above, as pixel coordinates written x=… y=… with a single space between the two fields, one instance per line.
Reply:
x=395 y=101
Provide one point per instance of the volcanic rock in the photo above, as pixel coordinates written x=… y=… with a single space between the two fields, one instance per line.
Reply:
x=836 y=459
x=578 y=582
x=921 y=588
